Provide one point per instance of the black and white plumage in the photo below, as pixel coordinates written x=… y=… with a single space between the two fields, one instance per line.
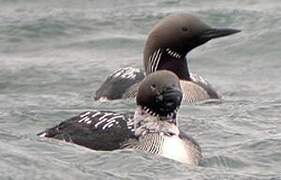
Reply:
x=166 y=48
x=93 y=128
x=163 y=137
x=152 y=128
x=117 y=85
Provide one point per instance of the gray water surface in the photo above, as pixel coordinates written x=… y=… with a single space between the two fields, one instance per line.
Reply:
x=55 y=54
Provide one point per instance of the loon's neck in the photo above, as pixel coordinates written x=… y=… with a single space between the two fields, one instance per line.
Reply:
x=145 y=123
x=167 y=59
x=178 y=66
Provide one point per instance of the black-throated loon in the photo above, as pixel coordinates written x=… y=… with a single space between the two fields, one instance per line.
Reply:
x=166 y=48
x=153 y=127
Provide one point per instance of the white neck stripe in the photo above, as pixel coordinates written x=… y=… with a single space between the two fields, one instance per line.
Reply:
x=173 y=53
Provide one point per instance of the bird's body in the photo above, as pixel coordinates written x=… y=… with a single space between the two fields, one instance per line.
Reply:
x=165 y=139
x=152 y=128
x=93 y=128
x=166 y=48
x=196 y=89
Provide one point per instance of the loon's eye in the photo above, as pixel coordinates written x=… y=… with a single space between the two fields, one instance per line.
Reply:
x=184 y=28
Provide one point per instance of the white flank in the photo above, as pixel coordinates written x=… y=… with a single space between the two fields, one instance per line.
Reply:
x=43 y=135
x=173 y=148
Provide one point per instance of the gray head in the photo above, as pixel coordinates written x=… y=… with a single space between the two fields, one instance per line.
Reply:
x=172 y=38
x=160 y=93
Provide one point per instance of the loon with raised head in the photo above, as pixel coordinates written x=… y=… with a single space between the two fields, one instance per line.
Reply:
x=153 y=127
x=166 y=48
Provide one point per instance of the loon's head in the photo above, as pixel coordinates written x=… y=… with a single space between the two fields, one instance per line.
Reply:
x=172 y=38
x=160 y=94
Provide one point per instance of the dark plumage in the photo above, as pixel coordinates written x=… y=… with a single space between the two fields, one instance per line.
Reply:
x=93 y=128
x=152 y=128
x=166 y=48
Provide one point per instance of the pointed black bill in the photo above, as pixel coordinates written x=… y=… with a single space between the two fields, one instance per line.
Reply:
x=216 y=33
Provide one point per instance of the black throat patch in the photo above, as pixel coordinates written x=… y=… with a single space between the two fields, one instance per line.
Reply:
x=168 y=59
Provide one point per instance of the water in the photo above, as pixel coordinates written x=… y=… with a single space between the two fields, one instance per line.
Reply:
x=55 y=54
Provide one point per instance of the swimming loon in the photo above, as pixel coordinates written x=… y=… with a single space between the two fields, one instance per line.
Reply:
x=153 y=127
x=166 y=48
